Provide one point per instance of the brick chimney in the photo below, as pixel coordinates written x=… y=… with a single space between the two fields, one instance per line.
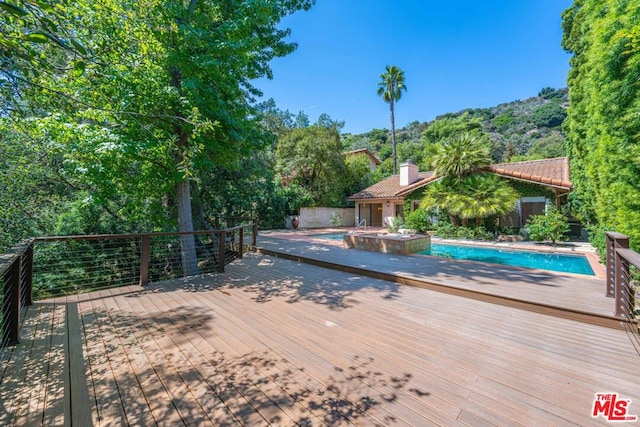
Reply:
x=408 y=174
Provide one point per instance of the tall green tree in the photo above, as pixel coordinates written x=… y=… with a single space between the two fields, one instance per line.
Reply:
x=312 y=159
x=603 y=124
x=390 y=89
x=170 y=99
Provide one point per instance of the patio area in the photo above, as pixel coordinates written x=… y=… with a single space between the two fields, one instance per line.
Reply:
x=275 y=341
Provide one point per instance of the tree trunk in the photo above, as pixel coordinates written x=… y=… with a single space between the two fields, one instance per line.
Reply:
x=393 y=140
x=185 y=223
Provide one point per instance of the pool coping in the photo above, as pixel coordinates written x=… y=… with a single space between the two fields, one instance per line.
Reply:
x=576 y=248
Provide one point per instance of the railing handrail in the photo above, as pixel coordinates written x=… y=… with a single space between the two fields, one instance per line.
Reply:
x=137 y=235
x=361 y=222
x=631 y=256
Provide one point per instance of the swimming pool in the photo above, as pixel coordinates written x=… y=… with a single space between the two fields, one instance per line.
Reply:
x=545 y=261
x=577 y=264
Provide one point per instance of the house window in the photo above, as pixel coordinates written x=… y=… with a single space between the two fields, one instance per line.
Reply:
x=415 y=204
x=399 y=211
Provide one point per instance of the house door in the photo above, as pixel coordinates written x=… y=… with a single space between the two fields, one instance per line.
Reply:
x=376 y=214
x=531 y=208
x=371 y=213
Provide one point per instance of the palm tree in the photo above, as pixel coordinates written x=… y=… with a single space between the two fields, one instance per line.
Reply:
x=390 y=89
x=460 y=155
x=484 y=195
x=463 y=191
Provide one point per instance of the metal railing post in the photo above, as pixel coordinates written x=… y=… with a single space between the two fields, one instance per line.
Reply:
x=241 y=241
x=144 y=260
x=221 y=251
x=11 y=304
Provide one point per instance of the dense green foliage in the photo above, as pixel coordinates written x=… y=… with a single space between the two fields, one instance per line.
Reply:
x=144 y=120
x=603 y=124
x=464 y=192
x=551 y=226
x=419 y=220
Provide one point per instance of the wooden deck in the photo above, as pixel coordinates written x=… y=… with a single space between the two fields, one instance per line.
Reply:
x=570 y=296
x=273 y=341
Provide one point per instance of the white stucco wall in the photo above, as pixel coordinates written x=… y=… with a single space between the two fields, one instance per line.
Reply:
x=321 y=217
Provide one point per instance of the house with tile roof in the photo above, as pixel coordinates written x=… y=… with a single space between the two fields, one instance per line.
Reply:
x=388 y=197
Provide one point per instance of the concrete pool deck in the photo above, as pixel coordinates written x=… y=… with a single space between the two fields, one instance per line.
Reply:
x=571 y=296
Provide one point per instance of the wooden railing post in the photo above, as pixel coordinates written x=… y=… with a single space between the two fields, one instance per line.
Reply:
x=221 y=251
x=613 y=241
x=254 y=233
x=144 y=260
x=241 y=241
x=11 y=304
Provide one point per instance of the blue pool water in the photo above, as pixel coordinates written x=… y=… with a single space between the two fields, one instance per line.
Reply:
x=545 y=261
x=577 y=264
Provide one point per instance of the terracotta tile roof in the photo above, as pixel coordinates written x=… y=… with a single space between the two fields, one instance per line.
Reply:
x=551 y=172
x=390 y=188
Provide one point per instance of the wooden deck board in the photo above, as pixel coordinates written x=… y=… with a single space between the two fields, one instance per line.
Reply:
x=578 y=292
x=276 y=341
x=14 y=370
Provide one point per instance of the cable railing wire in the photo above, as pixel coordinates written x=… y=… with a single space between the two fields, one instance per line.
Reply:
x=63 y=265
x=73 y=264
x=623 y=278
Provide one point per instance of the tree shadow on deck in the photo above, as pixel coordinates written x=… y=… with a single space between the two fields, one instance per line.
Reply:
x=268 y=278
x=32 y=374
x=164 y=367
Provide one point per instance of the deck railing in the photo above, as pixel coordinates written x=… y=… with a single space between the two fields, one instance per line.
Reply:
x=64 y=265
x=623 y=266
x=15 y=291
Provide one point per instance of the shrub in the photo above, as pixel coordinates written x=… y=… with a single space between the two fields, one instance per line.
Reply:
x=395 y=224
x=448 y=231
x=445 y=230
x=550 y=226
x=598 y=239
x=419 y=220
x=474 y=233
x=509 y=231
x=336 y=219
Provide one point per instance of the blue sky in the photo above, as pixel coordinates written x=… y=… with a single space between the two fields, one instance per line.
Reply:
x=455 y=55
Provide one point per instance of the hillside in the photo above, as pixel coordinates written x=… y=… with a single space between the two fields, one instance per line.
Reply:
x=517 y=130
